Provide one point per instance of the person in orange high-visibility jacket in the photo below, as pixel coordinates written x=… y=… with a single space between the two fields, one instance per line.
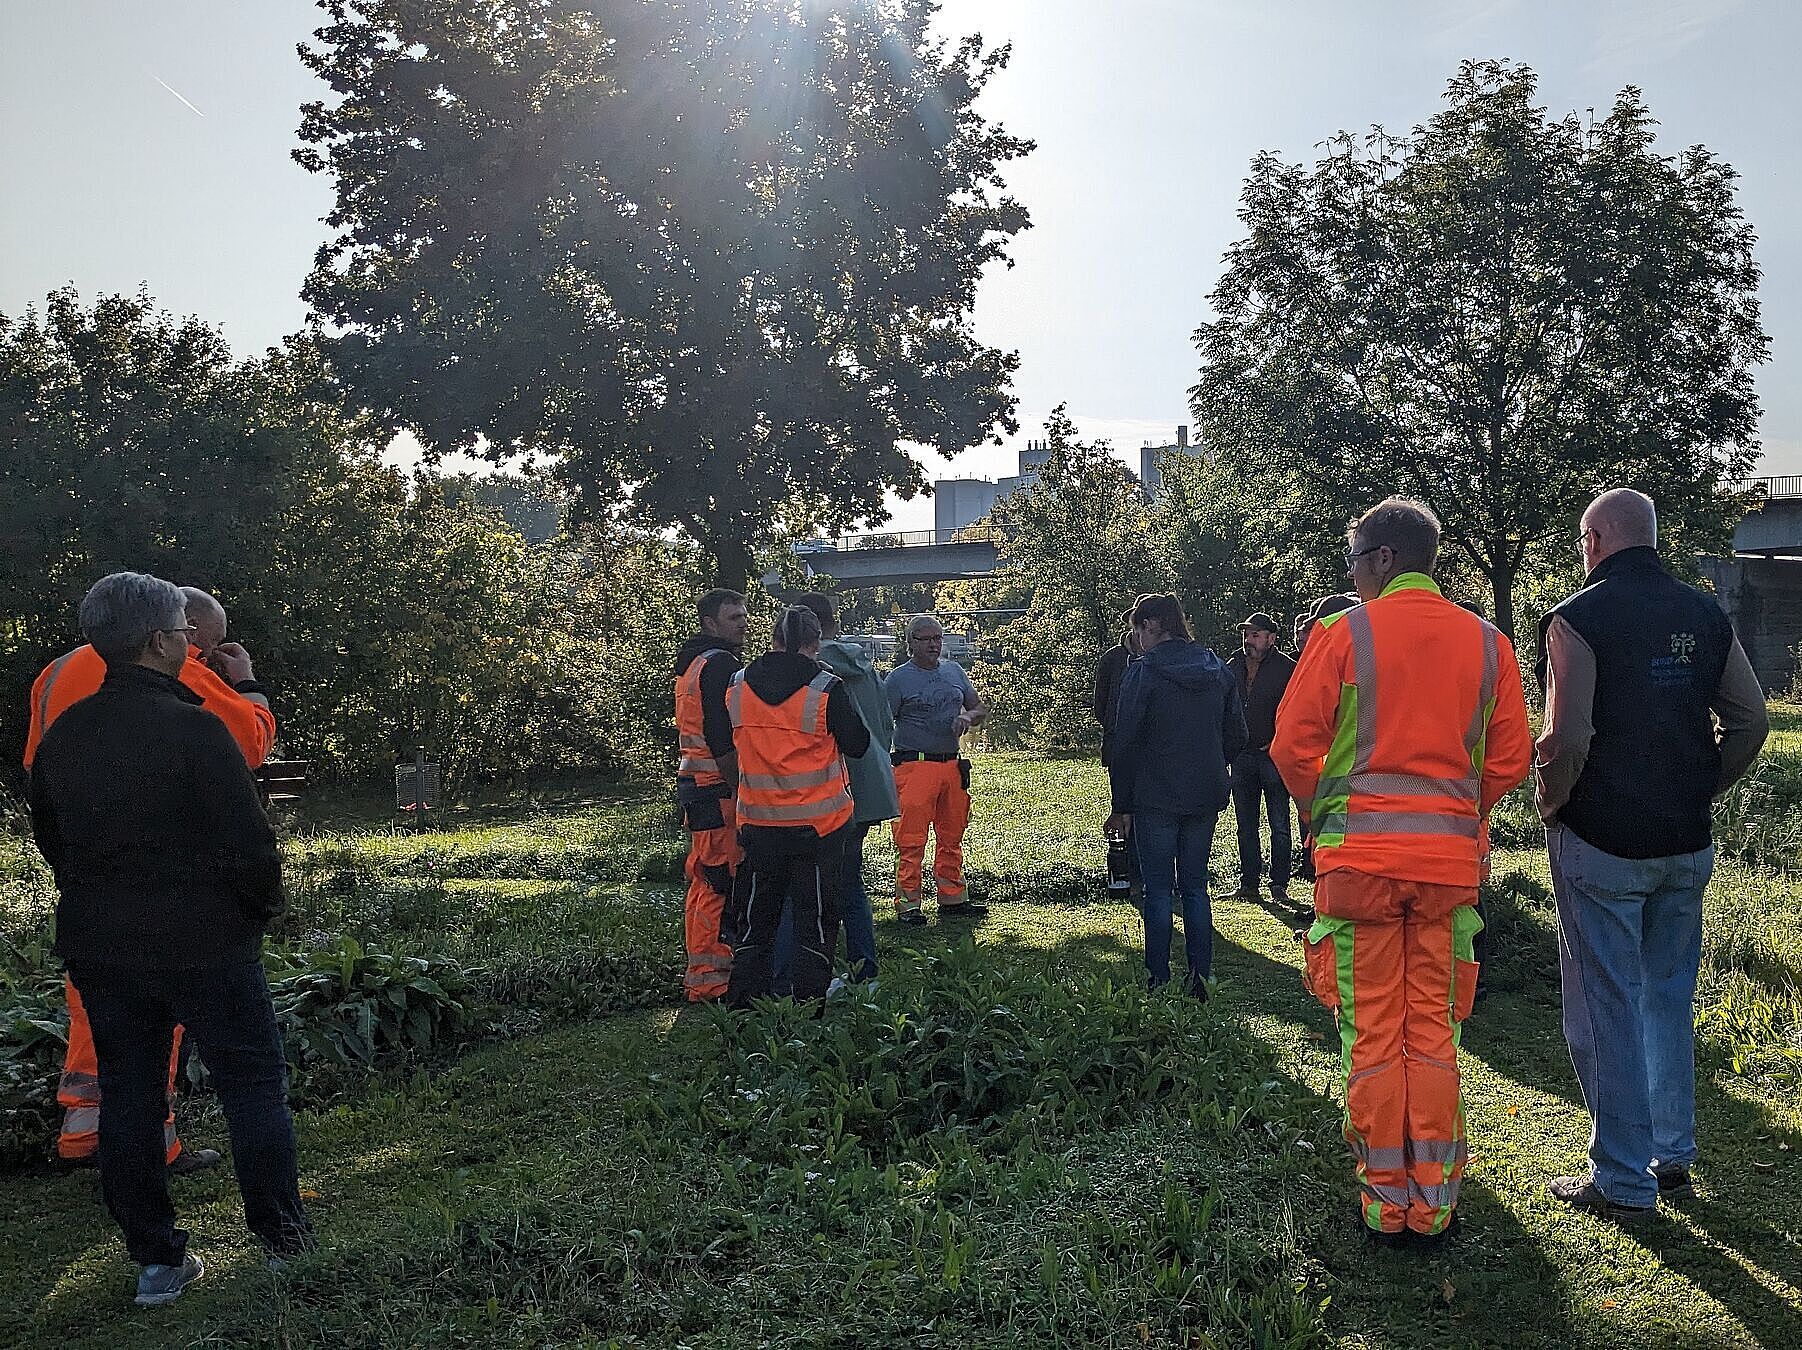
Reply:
x=705 y=781
x=795 y=725
x=1402 y=726
x=221 y=673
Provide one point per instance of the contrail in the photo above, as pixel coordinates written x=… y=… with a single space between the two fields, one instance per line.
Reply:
x=184 y=102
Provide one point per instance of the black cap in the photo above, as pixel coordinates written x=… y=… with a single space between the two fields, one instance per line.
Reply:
x=1262 y=622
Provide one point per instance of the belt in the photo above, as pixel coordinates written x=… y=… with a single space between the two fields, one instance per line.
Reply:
x=910 y=756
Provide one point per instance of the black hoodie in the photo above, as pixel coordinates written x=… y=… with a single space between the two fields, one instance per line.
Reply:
x=715 y=725
x=776 y=678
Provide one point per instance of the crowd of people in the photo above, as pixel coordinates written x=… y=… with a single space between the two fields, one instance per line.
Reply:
x=1398 y=725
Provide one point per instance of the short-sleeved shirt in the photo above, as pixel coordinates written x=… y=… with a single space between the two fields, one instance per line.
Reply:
x=926 y=704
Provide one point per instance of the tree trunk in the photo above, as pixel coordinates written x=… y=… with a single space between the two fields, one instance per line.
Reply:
x=1501 y=580
x=732 y=560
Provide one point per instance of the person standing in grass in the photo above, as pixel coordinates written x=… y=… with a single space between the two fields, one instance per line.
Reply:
x=1404 y=723
x=1636 y=668
x=934 y=704
x=794 y=726
x=1262 y=673
x=167 y=872
x=873 y=797
x=1179 y=726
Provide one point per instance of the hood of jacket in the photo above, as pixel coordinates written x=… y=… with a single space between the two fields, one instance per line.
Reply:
x=1189 y=665
x=776 y=677
x=845 y=659
x=700 y=642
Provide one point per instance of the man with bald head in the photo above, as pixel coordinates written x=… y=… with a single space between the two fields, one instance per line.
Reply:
x=1637 y=670
x=220 y=674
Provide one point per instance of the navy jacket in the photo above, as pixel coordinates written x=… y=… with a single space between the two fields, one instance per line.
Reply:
x=1180 y=722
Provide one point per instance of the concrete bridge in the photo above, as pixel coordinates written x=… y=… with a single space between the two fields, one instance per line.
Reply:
x=1775 y=529
x=900 y=557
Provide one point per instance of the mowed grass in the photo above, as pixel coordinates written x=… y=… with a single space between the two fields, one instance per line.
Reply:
x=660 y=1176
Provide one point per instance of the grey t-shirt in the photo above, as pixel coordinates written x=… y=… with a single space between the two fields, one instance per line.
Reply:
x=926 y=704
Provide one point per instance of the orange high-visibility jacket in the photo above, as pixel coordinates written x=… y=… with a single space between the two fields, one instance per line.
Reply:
x=1402 y=725
x=790 y=771
x=74 y=675
x=698 y=762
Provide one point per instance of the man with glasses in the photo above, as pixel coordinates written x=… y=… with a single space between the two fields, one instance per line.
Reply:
x=1403 y=724
x=1636 y=667
x=220 y=673
x=167 y=872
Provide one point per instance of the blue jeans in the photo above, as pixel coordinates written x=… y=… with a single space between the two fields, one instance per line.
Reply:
x=1173 y=859
x=1256 y=783
x=854 y=917
x=1629 y=946
x=231 y=1022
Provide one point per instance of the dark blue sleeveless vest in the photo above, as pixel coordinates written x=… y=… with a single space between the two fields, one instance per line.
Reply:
x=1660 y=648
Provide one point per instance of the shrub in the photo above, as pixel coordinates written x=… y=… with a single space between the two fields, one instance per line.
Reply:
x=34 y=1028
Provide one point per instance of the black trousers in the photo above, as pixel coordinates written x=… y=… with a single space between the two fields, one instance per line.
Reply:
x=1256 y=783
x=787 y=868
x=231 y=1022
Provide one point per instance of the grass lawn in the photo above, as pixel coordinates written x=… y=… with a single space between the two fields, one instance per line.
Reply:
x=1009 y=1144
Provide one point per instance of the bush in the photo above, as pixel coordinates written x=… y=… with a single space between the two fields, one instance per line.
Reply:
x=34 y=1029
x=1759 y=819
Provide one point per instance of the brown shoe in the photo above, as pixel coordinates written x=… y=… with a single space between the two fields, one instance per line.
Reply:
x=191 y=1160
x=1582 y=1193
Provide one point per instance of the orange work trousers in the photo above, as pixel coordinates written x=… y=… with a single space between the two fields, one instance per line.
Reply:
x=78 y=1092
x=713 y=858
x=1394 y=959
x=933 y=797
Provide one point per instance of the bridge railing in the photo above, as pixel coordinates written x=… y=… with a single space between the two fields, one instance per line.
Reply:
x=1782 y=485
x=848 y=543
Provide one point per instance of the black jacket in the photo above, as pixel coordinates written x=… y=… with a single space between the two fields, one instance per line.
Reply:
x=1108 y=673
x=715 y=725
x=144 y=808
x=1261 y=699
x=1180 y=725
x=1653 y=765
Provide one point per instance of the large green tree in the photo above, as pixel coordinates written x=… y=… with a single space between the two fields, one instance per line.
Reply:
x=1499 y=313
x=715 y=261
x=1078 y=544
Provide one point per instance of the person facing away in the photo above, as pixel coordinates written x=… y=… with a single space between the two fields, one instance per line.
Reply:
x=221 y=673
x=1636 y=667
x=795 y=726
x=873 y=798
x=706 y=777
x=1404 y=723
x=167 y=872
x=1180 y=725
x=1261 y=672
x=934 y=704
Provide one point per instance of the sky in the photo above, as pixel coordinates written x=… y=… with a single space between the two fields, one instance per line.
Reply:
x=148 y=144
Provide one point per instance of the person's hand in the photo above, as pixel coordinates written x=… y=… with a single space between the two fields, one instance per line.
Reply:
x=962 y=723
x=1118 y=825
x=232 y=663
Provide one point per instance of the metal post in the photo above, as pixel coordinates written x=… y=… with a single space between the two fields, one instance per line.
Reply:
x=418 y=789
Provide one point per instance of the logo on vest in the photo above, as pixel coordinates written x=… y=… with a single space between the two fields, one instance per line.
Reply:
x=1679 y=667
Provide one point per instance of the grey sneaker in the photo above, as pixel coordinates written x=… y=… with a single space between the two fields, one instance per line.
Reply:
x=1582 y=1193
x=191 y=1160
x=158 y=1285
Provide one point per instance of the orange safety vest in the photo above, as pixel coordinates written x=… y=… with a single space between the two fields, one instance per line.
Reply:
x=697 y=761
x=1402 y=725
x=74 y=675
x=790 y=771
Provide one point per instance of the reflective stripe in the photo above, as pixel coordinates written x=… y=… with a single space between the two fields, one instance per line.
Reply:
x=1389 y=1195
x=56 y=670
x=1439 y=1197
x=811 y=719
x=757 y=813
x=1439 y=1150
x=780 y=782
x=81 y=1120
x=1413 y=785
x=733 y=699
x=1382 y=1159
x=1479 y=719
x=691 y=766
x=1364 y=672
x=1410 y=822
x=688 y=742
x=710 y=959
x=81 y=1086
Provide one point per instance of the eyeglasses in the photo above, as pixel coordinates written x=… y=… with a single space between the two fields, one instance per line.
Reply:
x=189 y=629
x=1584 y=537
x=1351 y=559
